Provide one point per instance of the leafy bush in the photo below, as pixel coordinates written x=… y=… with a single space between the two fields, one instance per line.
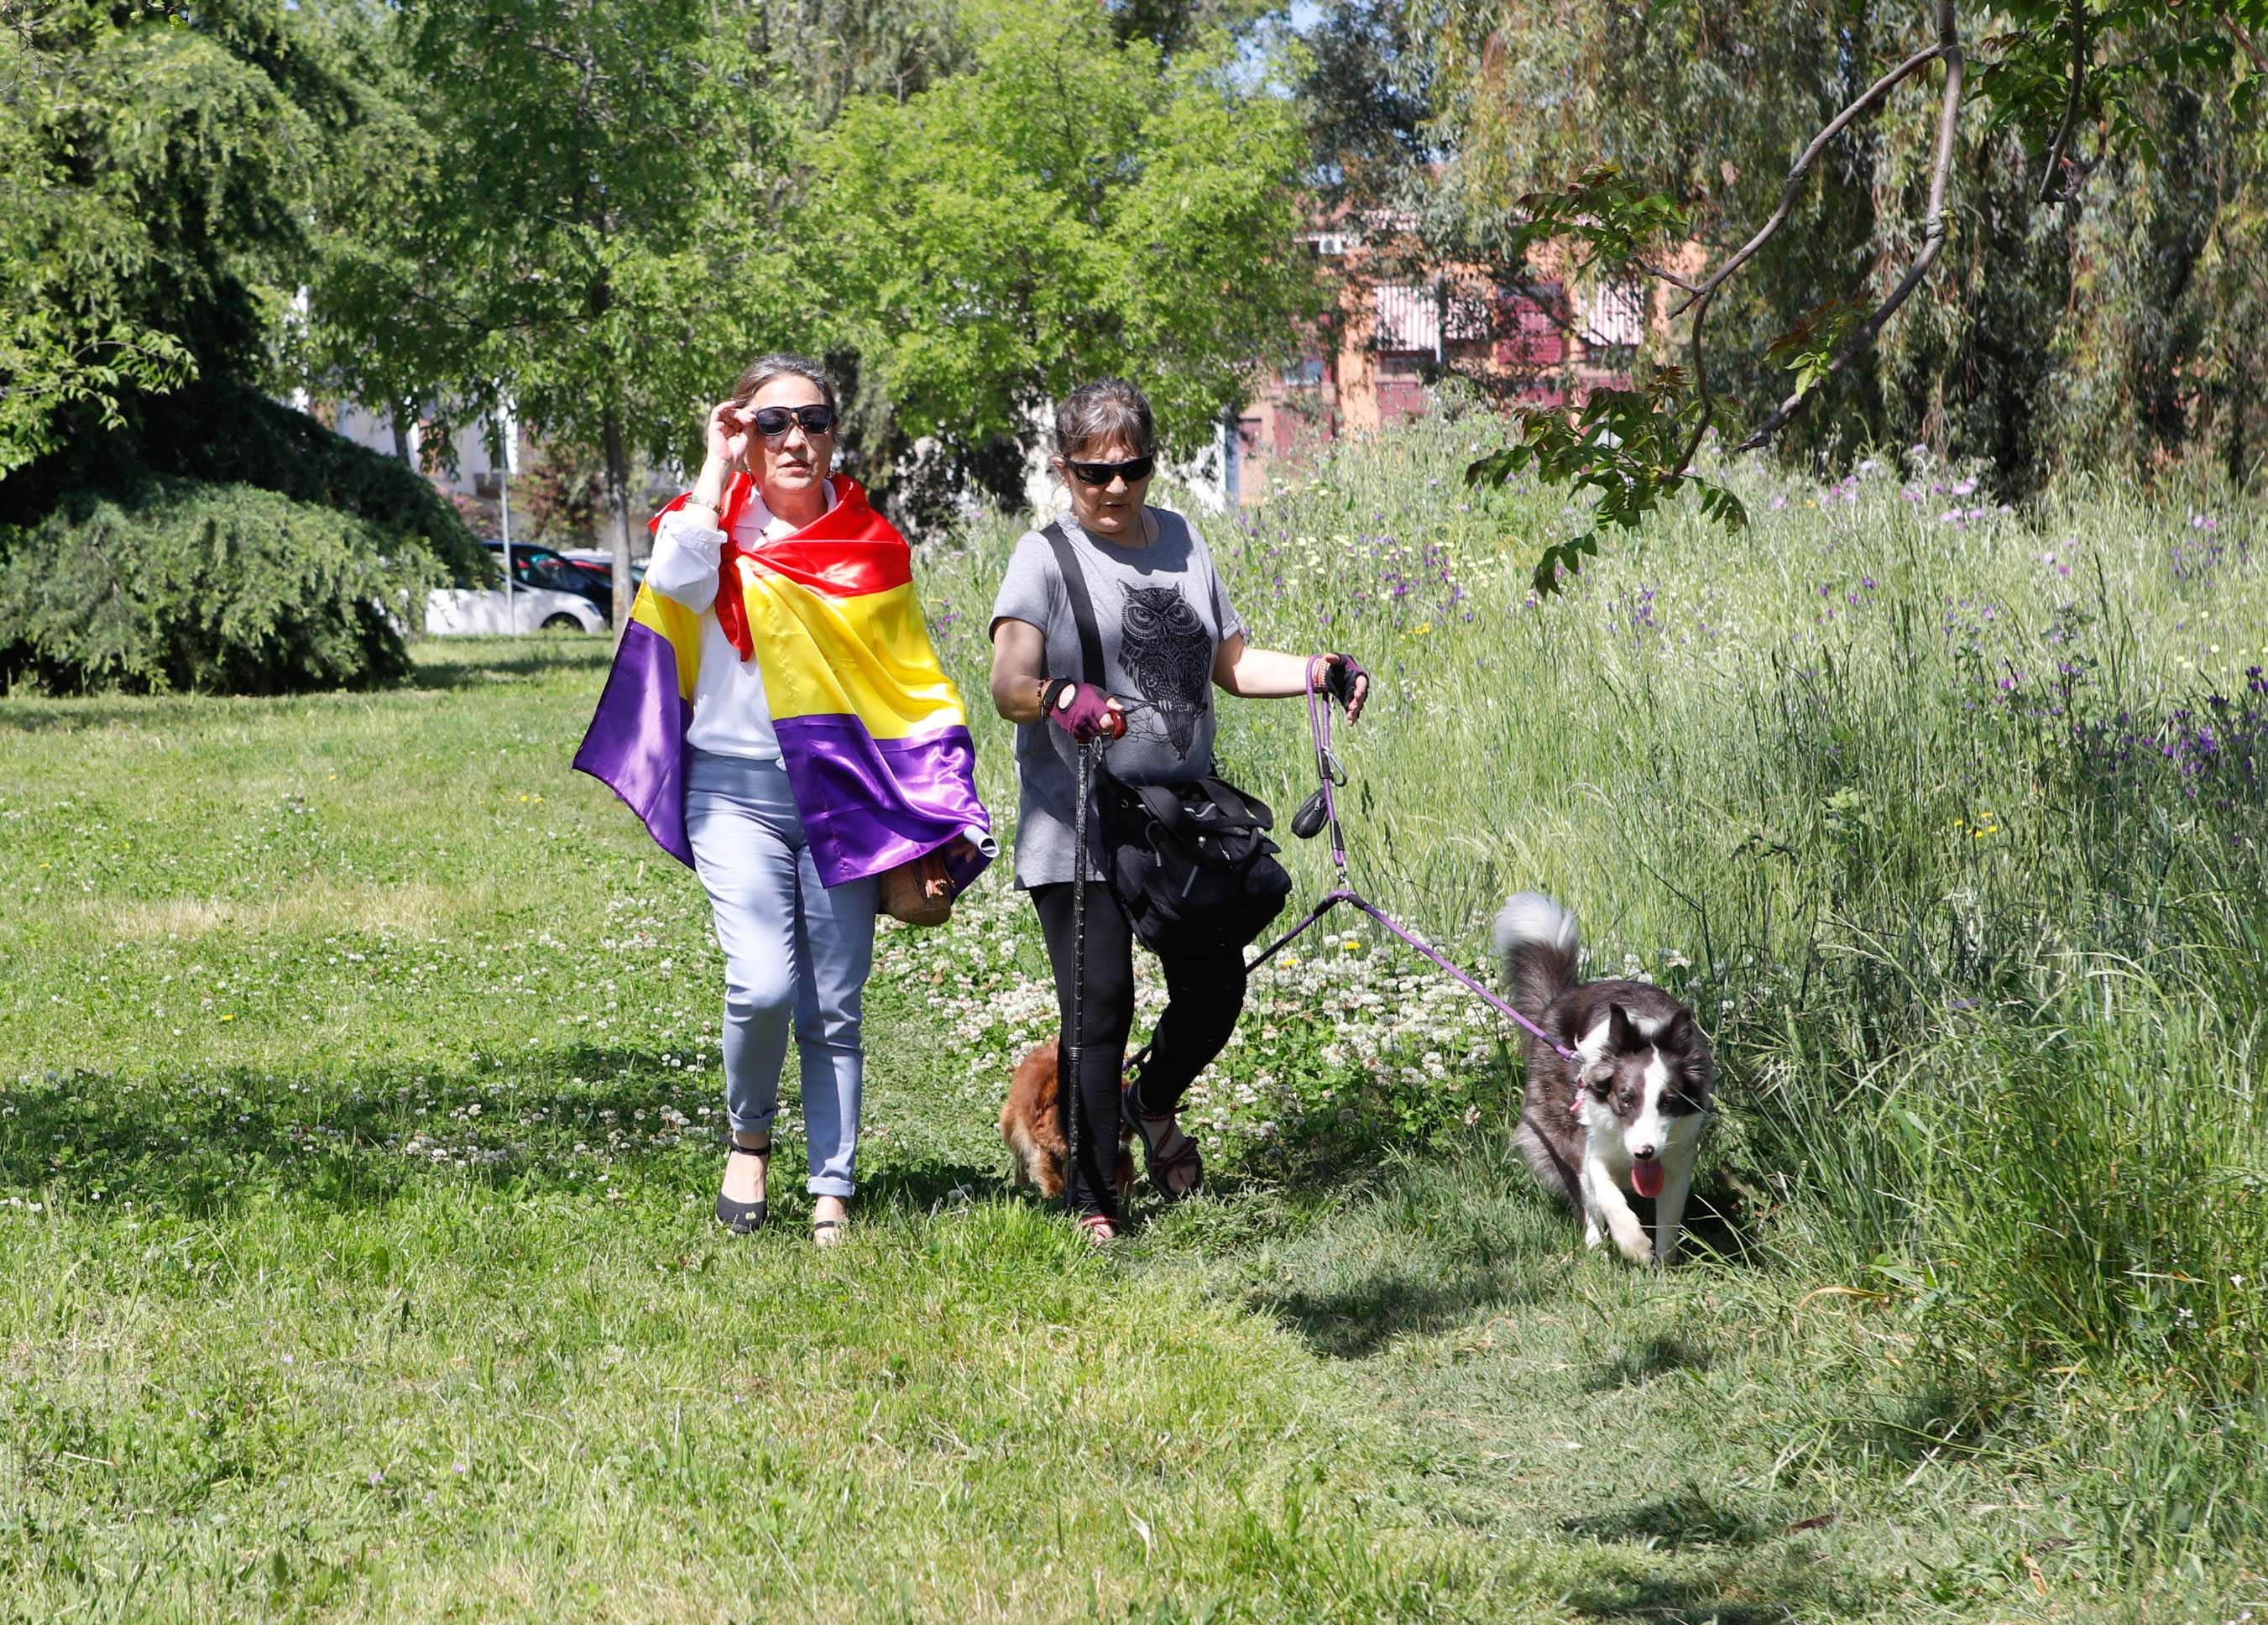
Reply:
x=228 y=434
x=168 y=584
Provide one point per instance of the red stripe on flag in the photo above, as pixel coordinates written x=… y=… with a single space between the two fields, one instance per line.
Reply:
x=845 y=569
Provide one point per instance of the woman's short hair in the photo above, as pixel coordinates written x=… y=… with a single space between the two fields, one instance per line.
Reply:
x=781 y=363
x=1095 y=412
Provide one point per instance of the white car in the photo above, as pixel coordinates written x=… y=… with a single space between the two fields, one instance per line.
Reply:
x=457 y=611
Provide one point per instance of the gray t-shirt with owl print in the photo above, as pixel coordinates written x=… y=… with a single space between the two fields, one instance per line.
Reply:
x=1162 y=614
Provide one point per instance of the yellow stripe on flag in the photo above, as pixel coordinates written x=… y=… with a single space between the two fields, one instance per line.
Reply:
x=680 y=628
x=867 y=656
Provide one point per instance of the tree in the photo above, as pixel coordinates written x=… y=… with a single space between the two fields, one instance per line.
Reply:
x=1074 y=205
x=161 y=167
x=1366 y=97
x=158 y=165
x=2020 y=122
x=588 y=235
x=825 y=52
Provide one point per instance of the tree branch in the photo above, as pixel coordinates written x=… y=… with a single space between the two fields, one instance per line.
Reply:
x=1932 y=230
x=2244 y=40
x=2050 y=191
x=1796 y=176
x=1665 y=275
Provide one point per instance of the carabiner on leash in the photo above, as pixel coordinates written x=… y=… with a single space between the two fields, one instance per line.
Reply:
x=1321 y=806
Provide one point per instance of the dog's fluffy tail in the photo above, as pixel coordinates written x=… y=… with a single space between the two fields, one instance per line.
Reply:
x=1535 y=942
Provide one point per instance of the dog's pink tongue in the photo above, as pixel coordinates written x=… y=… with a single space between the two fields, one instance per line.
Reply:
x=1648 y=1179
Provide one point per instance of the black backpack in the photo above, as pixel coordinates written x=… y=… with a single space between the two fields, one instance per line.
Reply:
x=1190 y=864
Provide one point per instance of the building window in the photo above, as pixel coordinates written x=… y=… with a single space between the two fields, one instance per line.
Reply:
x=1614 y=315
x=1304 y=374
x=1408 y=318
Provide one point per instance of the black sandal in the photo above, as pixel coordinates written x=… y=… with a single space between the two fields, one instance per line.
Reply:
x=1189 y=1157
x=740 y=1217
x=834 y=1225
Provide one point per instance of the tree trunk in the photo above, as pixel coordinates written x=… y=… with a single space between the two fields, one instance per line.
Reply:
x=618 y=516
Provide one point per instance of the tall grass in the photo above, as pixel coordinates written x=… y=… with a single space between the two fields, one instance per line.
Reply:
x=1949 y=820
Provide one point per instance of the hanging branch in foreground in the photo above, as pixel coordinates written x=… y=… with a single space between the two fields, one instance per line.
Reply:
x=1636 y=447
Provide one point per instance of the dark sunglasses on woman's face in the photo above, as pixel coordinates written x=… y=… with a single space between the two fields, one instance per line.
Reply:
x=1135 y=469
x=772 y=421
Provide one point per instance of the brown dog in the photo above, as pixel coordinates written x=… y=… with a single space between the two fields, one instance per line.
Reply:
x=1034 y=1132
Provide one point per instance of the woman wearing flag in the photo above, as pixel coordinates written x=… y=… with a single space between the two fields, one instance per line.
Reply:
x=777 y=716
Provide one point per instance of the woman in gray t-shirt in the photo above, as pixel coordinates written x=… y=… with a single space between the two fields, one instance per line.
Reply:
x=1169 y=637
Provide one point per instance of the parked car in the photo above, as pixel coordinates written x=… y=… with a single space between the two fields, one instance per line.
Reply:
x=463 y=611
x=535 y=566
x=602 y=562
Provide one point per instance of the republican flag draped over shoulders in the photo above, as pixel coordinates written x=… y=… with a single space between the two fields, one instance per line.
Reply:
x=872 y=730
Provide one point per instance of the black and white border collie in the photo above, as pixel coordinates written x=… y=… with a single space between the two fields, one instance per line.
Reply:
x=1629 y=1115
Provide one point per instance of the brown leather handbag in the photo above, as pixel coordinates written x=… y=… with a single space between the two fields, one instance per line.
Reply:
x=919 y=891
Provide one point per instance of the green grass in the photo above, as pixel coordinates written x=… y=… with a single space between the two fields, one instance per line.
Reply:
x=357 y=1144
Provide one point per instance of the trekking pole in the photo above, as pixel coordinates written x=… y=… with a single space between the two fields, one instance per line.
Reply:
x=1067 y=1070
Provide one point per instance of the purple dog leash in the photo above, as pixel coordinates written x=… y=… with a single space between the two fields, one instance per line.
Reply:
x=1330 y=774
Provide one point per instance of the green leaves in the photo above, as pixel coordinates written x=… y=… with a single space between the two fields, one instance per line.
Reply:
x=50 y=360
x=2129 y=51
x=1627 y=447
x=155 y=175
x=1612 y=214
x=171 y=585
x=1808 y=348
x=1070 y=207
x=600 y=249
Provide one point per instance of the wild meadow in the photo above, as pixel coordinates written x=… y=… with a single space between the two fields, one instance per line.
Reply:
x=361 y=1100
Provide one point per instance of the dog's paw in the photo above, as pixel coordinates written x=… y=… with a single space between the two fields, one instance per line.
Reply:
x=1630 y=1240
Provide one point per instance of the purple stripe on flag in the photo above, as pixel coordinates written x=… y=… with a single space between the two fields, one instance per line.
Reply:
x=635 y=745
x=869 y=804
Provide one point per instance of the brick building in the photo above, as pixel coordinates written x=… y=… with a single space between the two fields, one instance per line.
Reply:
x=1394 y=332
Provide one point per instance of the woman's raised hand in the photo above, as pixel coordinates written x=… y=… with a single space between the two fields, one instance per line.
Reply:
x=729 y=425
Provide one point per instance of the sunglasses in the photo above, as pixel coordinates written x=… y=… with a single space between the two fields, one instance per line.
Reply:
x=772 y=421
x=1135 y=469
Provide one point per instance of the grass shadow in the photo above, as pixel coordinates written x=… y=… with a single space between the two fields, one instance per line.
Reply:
x=203 y=1143
x=923 y=1184
x=1749 y=1585
x=1356 y=1319
x=1721 y=1220
x=1424 y=1246
x=1683 y=1519
x=477 y=662
x=1641 y=1363
x=68 y=715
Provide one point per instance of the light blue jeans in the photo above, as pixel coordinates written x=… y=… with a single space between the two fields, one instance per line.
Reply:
x=796 y=958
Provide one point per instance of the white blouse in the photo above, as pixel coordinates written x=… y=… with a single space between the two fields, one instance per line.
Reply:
x=731 y=717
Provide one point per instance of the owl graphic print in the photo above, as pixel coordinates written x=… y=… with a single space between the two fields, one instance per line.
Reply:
x=1165 y=647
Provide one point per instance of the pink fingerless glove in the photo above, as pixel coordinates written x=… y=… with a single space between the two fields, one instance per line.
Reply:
x=1082 y=711
x=1341 y=673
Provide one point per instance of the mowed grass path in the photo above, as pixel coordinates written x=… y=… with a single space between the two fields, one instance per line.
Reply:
x=355 y=1159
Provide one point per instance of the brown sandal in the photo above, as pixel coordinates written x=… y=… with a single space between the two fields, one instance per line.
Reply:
x=1159 y=1164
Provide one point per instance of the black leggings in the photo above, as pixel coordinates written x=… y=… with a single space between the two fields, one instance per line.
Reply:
x=1203 y=998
